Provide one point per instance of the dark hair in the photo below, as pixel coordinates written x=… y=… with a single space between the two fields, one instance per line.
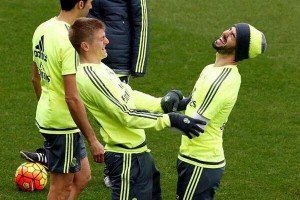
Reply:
x=68 y=5
x=82 y=30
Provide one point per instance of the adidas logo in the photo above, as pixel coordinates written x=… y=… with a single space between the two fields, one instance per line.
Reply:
x=39 y=50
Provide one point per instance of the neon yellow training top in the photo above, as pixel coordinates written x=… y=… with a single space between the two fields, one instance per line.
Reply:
x=213 y=97
x=121 y=112
x=54 y=57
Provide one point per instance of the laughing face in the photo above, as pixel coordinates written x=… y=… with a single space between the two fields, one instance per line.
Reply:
x=226 y=43
x=99 y=44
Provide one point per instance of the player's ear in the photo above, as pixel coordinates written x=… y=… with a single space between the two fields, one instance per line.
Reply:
x=81 y=4
x=84 y=46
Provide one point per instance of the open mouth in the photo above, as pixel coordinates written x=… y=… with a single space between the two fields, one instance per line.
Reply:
x=221 y=41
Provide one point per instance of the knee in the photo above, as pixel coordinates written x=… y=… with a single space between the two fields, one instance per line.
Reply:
x=83 y=177
x=86 y=179
x=56 y=192
x=82 y=181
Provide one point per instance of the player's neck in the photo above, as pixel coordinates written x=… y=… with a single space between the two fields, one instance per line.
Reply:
x=87 y=58
x=67 y=16
x=223 y=60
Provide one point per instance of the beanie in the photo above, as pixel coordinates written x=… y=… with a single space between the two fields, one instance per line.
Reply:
x=250 y=42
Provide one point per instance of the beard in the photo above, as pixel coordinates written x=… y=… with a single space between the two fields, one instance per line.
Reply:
x=223 y=49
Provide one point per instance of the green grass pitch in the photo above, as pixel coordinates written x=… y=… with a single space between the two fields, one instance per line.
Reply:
x=261 y=139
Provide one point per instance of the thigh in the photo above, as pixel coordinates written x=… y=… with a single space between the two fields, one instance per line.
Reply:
x=82 y=147
x=146 y=178
x=209 y=183
x=60 y=180
x=63 y=152
x=60 y=183
x=156 y=190
x=118 y=166
x=84 y=175
x=131 y=175
x=197 y=183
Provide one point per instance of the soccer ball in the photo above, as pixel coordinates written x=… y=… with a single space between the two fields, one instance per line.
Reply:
x=31 y=177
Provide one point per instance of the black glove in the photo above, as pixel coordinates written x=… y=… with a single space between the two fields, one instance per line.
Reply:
x=183 y=103
x=186 y=124
x=169 y=103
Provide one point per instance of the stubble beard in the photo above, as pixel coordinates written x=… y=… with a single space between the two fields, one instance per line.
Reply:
x=223 y=49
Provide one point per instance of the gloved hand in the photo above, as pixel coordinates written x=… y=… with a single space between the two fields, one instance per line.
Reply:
x=183 y=103
x=186 y=124
x=170 y=101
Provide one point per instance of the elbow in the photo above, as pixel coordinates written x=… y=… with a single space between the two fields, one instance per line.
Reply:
x=71 y=100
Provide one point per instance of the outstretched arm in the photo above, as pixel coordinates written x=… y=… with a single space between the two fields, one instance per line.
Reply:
x=165 y=104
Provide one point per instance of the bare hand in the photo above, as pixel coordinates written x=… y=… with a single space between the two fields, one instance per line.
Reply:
x=97 y=151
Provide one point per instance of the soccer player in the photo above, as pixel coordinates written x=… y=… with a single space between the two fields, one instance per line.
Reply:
x=121 y=113
x=60 y=114
x=127 y=29
x=201 y=160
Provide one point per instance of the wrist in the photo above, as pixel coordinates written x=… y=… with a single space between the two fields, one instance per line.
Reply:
x=167 y=120
x=91 y=139
x=171 y=118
